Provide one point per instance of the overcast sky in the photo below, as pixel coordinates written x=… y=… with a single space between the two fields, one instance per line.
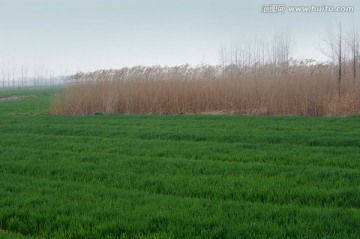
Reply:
x=85 y=35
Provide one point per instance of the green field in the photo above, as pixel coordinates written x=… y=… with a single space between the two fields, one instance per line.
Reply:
x=194 y=176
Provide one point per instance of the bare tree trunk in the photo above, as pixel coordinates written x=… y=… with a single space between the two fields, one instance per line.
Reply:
x=3 y=76
x=353 y=44
x=13 y=76
x=340 y=56
x=8 y=75
x=35 y=77
x=23 y=76
x=223 y=58
x=353 y=56
x=339 y=76
x=335 y=51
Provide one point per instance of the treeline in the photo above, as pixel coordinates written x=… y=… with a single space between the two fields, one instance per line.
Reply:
x=342 y=48
x=14 y=76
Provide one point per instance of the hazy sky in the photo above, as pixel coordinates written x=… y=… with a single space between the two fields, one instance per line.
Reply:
x=85 y=35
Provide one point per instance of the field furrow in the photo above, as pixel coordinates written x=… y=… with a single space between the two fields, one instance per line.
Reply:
x=151 y=176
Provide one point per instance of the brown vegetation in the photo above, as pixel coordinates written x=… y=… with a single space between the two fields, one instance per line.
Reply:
x=292 y=88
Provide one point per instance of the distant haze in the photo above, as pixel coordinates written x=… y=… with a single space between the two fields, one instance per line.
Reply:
x=85 y=35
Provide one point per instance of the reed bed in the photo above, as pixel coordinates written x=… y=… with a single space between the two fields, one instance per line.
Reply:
x=292 y=88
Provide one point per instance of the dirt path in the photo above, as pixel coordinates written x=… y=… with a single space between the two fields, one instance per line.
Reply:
x=17 y=97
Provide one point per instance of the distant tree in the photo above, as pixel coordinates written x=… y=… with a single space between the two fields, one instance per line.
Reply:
x=223 y=58
x=13 y=72
x=354 y=45
x=3 y=76
x=281 y=48
x=235 y=53
x=8 y=75
x=35 y=72
x=335 y=50
x=24 y=75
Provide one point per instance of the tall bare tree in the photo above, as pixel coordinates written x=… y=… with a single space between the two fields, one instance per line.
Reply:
x=235 y=53
x=8 y=75
x=3 y=76
x=335 y=50
x=354 y=44
x=24 y=75
x=35 y=80
x=13 y=72
x=223 y=56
